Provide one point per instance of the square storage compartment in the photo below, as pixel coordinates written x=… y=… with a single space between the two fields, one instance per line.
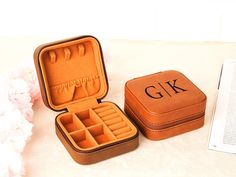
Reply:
x=88 y=118
x=101 y=134
x=71 y=122
x=83 y=139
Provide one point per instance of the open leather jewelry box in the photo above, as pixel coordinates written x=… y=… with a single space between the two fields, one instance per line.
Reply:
x=72 y=79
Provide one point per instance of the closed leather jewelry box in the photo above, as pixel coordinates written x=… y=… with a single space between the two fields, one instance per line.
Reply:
x=73 y=80
x=164 y=104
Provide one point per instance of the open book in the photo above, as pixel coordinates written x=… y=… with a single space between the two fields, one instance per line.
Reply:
x=223 y=133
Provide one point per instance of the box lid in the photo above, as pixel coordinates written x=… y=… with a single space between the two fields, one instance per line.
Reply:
x=164 y=97
x=70 y=72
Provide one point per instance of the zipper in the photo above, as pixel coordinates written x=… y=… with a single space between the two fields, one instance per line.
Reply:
x=167 y=125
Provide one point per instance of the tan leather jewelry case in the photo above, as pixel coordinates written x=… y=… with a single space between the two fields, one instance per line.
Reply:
x=164 y=104
x=72 y=79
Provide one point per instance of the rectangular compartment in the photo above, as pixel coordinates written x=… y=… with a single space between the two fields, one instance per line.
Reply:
x=83 y=139
x=88 y=118
x=71 y=122
x=101 y=134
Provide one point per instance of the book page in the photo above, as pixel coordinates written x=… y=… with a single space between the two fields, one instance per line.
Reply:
x=223 y=133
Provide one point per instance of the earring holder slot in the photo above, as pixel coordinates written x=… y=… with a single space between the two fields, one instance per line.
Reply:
x=81 y=50
x=53 y=57
x=67 y=53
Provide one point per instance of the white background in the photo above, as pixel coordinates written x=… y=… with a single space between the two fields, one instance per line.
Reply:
x=198 y=20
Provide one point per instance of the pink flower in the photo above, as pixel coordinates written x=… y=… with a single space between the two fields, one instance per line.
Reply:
x=29 y=76
x=18 y=93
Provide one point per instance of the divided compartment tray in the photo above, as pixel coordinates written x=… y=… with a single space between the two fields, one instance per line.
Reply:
x=96 y=127
x=72 y=77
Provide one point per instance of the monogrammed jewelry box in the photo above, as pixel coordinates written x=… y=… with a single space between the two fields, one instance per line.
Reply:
x=164 y=104
x=72 y=79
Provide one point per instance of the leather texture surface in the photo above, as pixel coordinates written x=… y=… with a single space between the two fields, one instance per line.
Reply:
x=72 y=77
x=160 y=102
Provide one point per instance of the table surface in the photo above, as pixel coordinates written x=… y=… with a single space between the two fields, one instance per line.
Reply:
x=183 y=155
